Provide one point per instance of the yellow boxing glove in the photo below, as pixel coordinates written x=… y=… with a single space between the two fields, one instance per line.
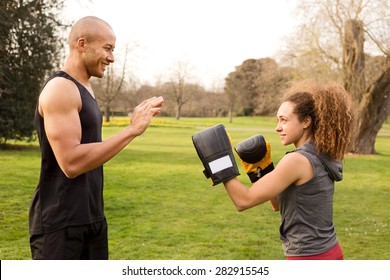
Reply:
x=255 y=156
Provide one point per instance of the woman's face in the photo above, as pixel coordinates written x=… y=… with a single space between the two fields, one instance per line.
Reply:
x=291 y=130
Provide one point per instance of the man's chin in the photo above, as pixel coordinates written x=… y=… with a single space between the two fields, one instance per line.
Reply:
x=98 y=75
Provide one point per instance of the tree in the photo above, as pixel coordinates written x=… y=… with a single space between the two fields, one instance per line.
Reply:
x=255 y=86
x=182 y=86
x=373 y=104
x=232 y=91
x=270 y=86
x=108 y=88
x=30 y=48
x=246 y=77
x=339 y=35
x=114 y=88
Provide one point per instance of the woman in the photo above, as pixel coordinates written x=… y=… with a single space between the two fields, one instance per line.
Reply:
x=318 y=121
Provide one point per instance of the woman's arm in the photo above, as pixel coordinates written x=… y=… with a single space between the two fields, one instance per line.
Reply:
x=292 y=168
x=274 y=202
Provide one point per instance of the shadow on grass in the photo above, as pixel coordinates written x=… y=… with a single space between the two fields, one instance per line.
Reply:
x=17 y=147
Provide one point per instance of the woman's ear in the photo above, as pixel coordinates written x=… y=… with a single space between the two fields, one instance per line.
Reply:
x=307 y=122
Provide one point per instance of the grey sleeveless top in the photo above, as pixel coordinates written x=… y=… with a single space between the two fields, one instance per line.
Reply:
x=306 y=226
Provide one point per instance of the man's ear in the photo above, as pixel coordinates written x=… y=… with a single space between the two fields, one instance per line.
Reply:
x=81 y=43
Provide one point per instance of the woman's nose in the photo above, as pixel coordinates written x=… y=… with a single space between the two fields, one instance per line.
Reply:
x=278 y=128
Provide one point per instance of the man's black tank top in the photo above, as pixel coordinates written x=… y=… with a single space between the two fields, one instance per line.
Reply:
x=58 y=201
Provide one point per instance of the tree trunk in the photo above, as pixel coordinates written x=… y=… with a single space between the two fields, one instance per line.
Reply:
x=372 y=105
x=107 y=113
x=375 y=108
x=353 y=59
x=230 y=115
x=178 y=111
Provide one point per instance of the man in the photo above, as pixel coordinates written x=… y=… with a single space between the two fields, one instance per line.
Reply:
x=67 y=218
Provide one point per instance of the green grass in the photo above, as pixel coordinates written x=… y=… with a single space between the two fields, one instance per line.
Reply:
x=159 y=205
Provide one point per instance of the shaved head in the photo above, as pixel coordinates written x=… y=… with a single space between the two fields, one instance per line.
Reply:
x=89 y=28
x=91 y=46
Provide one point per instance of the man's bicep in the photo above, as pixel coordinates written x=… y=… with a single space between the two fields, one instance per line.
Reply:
x=60 y=112
x=62 y=129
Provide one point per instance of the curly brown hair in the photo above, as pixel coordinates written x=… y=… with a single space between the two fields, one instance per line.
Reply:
x=330 y=108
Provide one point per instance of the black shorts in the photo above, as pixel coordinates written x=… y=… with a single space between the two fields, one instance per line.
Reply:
x=87 y=242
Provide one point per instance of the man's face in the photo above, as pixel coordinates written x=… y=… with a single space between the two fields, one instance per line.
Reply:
x=99 y=52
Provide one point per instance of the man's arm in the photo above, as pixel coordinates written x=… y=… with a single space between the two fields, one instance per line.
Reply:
x=60 y=103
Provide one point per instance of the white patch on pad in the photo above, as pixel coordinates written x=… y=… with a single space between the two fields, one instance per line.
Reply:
x=220 y=164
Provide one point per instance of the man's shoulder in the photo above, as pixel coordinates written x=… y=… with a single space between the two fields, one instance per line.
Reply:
x=57 y=85
x=60 y=91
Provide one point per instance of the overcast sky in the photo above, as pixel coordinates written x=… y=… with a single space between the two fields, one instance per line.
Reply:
x=211 y=36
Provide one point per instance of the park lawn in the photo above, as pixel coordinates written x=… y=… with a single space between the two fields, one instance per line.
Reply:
x=159 y=205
